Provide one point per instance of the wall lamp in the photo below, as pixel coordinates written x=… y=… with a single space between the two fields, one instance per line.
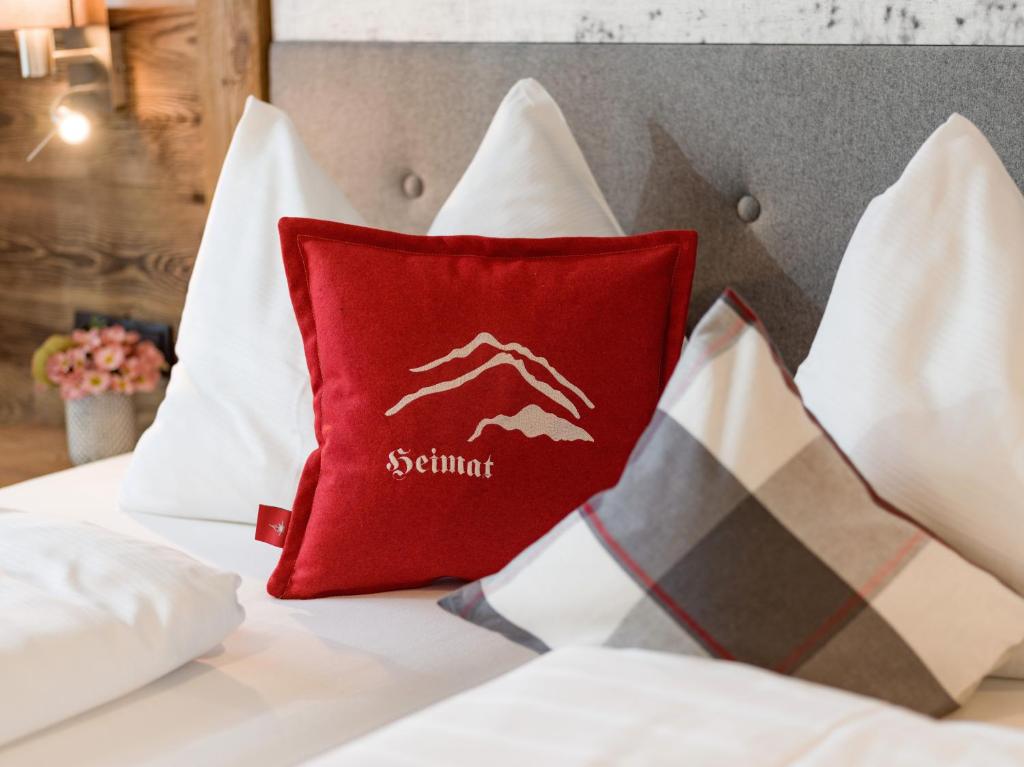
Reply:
x=71 y=125
x=51 y=33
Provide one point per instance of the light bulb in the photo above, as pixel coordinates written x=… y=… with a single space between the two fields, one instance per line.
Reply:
x=73 y=127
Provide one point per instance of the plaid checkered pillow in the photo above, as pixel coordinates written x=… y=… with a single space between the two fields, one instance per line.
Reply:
x=740 y=531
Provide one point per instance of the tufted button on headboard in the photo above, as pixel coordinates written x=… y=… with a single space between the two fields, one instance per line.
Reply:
x=677 y=136
x=748 y=209
x=412 y=186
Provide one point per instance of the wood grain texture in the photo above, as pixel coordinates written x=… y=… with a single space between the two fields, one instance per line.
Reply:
x=111 y=225
x=31 y=450
x=112 y=4
x=894 y=22
x=233 y=39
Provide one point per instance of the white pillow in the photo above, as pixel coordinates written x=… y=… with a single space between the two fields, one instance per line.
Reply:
x=87 y=615
x=528 y=177
x=236 y=425
x=917 y=369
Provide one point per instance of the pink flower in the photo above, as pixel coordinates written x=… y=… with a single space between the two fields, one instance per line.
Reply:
x=71 y=384
x=56 y=367
x=150 y=355
x=109 y=357
x=115 y=334
x=96 y=381
x=89 y=339
x=76 y=358
x=121 y=384
x=64 y=366
x=145 y=381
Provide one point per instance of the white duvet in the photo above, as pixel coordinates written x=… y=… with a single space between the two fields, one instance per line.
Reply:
x=599 y=706
x=87 y=615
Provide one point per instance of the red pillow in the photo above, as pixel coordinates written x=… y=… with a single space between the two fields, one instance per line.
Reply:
x=468 y=392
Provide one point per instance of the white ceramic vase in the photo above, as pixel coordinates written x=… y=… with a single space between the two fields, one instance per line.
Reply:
x=99 y=426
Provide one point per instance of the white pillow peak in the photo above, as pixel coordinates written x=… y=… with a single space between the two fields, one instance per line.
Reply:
x=917 y=369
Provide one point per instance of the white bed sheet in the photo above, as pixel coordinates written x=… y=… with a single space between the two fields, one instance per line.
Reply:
x=298 y=678
x=585 y=706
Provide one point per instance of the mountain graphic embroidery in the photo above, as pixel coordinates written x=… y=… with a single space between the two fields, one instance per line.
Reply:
x=532 y=421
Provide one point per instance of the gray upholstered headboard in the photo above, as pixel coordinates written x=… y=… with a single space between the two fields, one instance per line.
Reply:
x=676 y=135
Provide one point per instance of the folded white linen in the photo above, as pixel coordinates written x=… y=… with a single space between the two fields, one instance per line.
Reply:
x=88 y=615
x=589 y=705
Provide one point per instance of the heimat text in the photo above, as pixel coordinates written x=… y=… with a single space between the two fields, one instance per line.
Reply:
x=401 y=463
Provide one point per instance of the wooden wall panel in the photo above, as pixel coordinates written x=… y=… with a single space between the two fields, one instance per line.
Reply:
x=233 y=39
x=111 y=225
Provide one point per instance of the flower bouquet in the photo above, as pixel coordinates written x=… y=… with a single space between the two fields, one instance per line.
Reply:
x=96 y=370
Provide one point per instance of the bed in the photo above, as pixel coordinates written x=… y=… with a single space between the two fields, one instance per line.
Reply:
x=802 y=136
x=298 y=678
